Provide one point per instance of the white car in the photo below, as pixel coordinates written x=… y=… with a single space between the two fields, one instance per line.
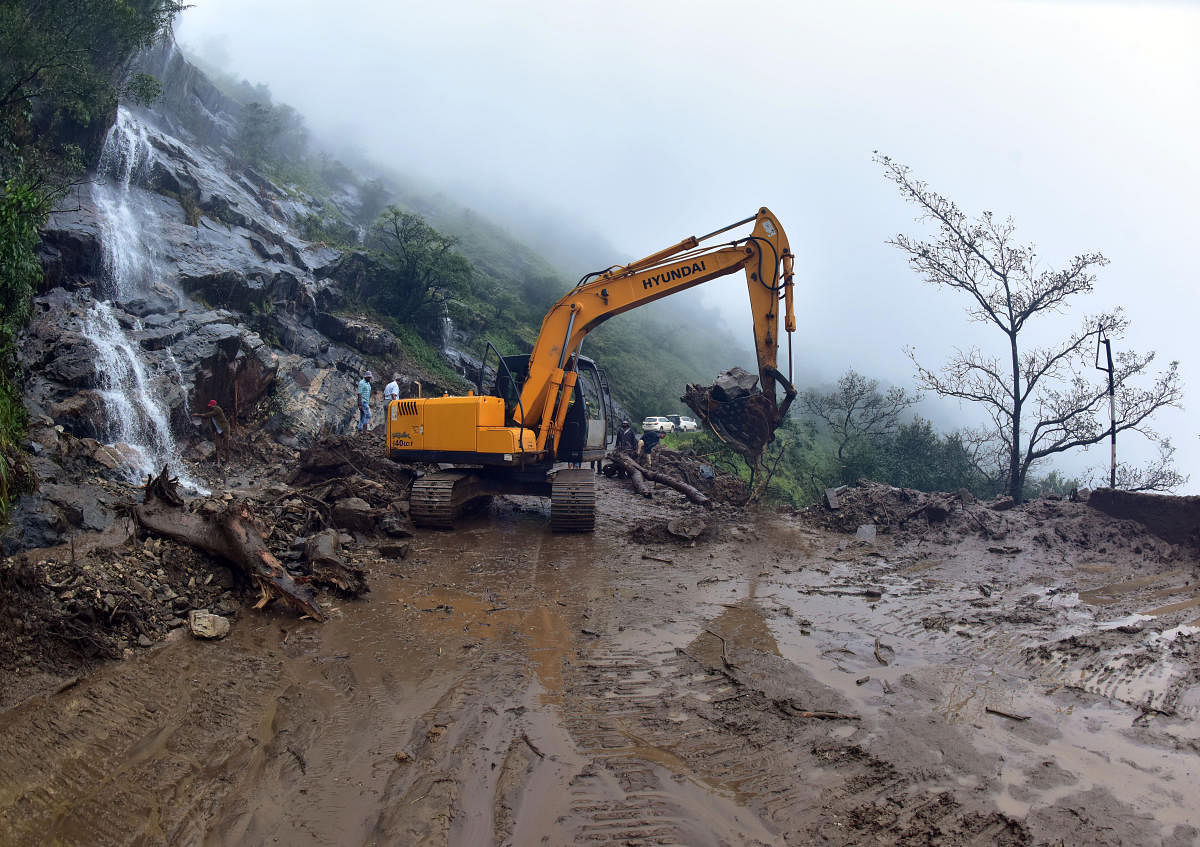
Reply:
x=683 y=424
x=658 y=424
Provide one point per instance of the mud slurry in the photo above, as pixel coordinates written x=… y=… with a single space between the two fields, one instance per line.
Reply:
x=507 y=686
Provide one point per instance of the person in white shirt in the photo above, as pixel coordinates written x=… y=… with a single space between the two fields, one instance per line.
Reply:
x=391 y=391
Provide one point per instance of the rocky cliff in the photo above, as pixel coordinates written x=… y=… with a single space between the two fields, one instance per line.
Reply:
x=175 y=276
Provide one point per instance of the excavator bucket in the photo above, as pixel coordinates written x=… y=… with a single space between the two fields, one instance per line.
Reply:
x=737 y=411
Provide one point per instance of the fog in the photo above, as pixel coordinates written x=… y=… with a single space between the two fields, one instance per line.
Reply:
x=645 y=122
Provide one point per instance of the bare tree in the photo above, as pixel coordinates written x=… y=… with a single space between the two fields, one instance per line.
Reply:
x=857 y=410
x=1039 y=400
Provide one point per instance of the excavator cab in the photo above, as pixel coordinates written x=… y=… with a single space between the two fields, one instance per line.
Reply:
x=588 y=431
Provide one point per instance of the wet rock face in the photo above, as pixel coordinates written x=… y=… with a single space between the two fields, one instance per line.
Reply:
x=231 y=365
x=206 y=275
x=361 y=335
x=71 y=255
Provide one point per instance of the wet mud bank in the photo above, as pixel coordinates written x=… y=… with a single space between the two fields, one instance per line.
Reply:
x=773 y=680
x=1176 y=519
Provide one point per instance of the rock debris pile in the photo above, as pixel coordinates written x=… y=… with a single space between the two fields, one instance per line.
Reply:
x=905 y=514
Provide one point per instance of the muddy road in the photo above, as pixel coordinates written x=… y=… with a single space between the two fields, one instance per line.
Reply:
x=777 y=682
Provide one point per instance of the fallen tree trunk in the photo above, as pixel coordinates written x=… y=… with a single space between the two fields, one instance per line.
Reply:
x=229 y=534
x=640 y=474
x=634 y=470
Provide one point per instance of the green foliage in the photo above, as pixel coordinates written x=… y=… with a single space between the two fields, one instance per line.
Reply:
x=1052 y=484
x=857 y=415
x=61 y=63
x=142 y=89
x=22 y=210
x=917 y=457
x=16 y=476
x=374 y=195
x=421 y=267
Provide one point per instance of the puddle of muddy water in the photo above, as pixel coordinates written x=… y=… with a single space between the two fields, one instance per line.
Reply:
x=974 y=667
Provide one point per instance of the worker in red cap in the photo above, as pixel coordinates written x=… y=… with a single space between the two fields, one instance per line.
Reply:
x=220 y=428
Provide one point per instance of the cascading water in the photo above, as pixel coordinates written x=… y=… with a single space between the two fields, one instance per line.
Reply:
x=128 y=255
x=138 y=418
x=136 y=412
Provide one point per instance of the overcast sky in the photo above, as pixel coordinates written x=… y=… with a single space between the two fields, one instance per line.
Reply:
x=650 y=121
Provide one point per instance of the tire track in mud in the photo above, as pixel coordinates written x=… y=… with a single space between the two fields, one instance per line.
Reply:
x=481 y=763
x=755 y=774
x=638 y=788
x=120 y=760
x=655 y=720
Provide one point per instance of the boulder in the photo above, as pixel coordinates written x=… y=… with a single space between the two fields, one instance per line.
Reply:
x=394 y=549
x=72 y=361
x=362 y=335
x=396 y=526
x=70 y=250
x=231 y=289
x=734 y=384
x=32 y=522
x=82 y=506
x=207 y=626
x=82 y=414
x=323 y=548
x=354 y=513
x=1001 y=504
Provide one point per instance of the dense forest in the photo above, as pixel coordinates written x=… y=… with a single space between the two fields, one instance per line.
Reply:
x=419 y=260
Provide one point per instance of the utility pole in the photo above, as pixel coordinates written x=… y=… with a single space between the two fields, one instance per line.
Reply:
x=1101 y=338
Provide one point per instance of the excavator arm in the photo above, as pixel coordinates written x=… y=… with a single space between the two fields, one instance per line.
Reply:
x=765 y=257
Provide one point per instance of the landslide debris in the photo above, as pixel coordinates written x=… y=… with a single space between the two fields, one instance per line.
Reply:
x=99 y=595
x=1045 y=523
x=722 y=487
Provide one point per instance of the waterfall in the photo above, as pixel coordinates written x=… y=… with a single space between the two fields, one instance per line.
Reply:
x=137 y=413
x=137 y=417
x=128 y=254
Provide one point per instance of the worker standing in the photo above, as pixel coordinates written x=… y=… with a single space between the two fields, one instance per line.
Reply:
x=650 y=440
x=391 y=391
x=220 y=425
x=364 y=401
x=627 y=439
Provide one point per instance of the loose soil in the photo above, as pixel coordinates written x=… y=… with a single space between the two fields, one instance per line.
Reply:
x=970 y=676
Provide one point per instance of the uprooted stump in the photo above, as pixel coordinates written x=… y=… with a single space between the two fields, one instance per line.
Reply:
x=230 y=534
x=639 y=475
x=741 y=416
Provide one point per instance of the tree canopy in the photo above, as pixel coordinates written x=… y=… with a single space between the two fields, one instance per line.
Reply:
x=422 y=264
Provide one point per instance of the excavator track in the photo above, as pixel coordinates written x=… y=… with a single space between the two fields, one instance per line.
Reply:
x=573 y=501
x=437 y=499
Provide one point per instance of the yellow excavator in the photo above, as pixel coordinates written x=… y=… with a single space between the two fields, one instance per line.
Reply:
x=552 y=406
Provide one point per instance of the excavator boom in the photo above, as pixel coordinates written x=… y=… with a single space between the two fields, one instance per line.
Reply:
x=764 y=255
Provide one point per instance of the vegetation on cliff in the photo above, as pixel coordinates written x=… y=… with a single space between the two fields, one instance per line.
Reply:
x=63 y=65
